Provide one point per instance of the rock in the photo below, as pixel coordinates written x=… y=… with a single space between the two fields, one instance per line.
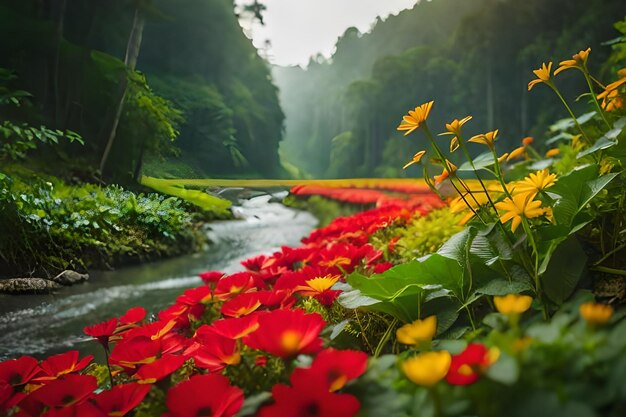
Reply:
x=69 y=277
x=27 y=286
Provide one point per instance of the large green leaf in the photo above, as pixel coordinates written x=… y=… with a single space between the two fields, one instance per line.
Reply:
x=490 y=246
x=403 y=288
x=565 y=269
x=608 y=140
x=576 y=190
x=482 y=161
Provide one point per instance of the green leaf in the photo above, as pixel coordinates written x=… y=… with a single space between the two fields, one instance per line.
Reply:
x=482 y=161
x=252 y=403
x=577 y=189
x=565 y=269
x=505 y=370
x=458 y=246
x=402 y=288
x=490 y=246
x=504 y=287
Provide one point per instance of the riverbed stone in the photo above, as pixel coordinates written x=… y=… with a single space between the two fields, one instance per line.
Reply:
x=69 y=277
x=28 y=286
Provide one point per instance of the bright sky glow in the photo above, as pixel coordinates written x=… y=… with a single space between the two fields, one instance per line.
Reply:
x=299 y=29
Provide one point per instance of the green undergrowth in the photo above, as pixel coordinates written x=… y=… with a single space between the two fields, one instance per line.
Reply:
x=47 y=225
x=421 y=236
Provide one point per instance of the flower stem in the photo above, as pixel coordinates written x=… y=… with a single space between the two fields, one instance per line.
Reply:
x=453 y=175
x=106 y=356
x=595 y=99
x=436 y=398
x=569 y=110
x=385 y=338
x=471 y=162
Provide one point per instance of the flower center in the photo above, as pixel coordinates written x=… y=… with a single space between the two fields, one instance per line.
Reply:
x=311 y=410
x=204 y=412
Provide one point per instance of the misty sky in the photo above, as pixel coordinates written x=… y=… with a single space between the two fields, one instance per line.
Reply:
x=298 y=29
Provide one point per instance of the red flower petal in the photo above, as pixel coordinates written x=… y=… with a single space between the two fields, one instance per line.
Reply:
x=204 y=396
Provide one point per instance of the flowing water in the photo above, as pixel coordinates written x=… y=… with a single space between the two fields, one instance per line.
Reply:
x=41 y=325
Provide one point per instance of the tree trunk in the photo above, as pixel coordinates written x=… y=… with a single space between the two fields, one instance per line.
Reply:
x=130 y=60
x=490 y=104
x=56 y=93
x=139 y=163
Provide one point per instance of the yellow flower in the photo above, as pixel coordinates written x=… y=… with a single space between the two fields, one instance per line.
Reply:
x=454 y=127
x=552 y=152
x=427 y=368
x=416 y=158
x=454 y=144
x=445 y=173
x=520 y=205
x=415 y=118
x=611 y=98
x=516 y=153
x=577 y=142
x=595 y=313
x=418 y=331
x=527 y=140
x=606 y=166
x=512 y=303
x=485 y=139
x=535 y=183
x=503 y=157
x=319 y=284
x=578 y=60
x=543 y=75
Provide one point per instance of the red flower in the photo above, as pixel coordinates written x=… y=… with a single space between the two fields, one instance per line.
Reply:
x=276 y=298
x=241 y=305
x=154 y=331
x=286 y=333
x=235 y=328
x=467 y=366
x=309 y=401
x=382 y=267
x=193 y=296
x=61 y=364
x=260 y=360
x=63 y=392
x=332 y=368
x=102 y=332
x=235 y=284
x=213 y=351
x=180 y=314
x=136 y=351
x=174 y=343
x=18 y=371
x=121 y=399
x=211 y=277
x=133 y=315
x=159 y=369
x=204 y=396
x=259 y=262
x=6 y=392
x=84 y=409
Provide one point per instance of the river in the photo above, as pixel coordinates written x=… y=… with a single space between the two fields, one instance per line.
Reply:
x=41 y=325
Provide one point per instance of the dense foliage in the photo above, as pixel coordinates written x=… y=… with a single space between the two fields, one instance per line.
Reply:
x=47 y=225
x=469 y=56
x=99 y=70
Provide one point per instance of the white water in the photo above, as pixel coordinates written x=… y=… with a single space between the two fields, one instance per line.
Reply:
x=40 y=325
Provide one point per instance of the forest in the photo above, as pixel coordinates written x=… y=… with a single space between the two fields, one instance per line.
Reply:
x=191 y=82
x=471 y=55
